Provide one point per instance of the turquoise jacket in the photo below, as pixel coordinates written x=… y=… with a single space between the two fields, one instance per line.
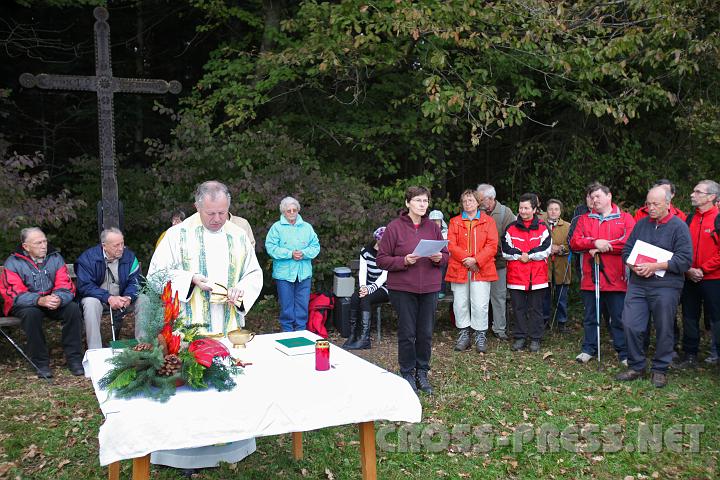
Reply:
x=280 y=242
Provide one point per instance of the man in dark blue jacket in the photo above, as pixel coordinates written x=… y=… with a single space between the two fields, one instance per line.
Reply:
x=655 y=286
x=107 y=278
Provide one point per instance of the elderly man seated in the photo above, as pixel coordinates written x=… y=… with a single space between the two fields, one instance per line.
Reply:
x=35 y=284
x=107 y=280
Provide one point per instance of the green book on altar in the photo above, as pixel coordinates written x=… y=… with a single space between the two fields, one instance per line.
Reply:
x=120 y=344
x=295 y=345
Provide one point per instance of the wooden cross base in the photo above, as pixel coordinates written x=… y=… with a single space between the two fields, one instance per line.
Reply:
x=141 y=465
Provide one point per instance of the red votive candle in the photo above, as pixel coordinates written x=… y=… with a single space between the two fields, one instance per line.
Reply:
x=322 y=355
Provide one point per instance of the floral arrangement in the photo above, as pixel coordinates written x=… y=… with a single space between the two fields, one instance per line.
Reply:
x=169 y=356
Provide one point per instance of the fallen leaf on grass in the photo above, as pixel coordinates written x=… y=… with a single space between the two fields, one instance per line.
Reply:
x=63 y=463
x=31 y=452
x=547 y=355
x=330 y=475
x=5 y=468
x=304 y=472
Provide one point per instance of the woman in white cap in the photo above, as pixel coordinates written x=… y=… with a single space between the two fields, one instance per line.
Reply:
x=371 y=279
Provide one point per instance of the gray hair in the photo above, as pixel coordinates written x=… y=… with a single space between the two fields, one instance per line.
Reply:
x=668 y=194
x=211 y=189
x=487 y=190
x=25 y=233
x=104 y=234
x=286 y=202
x=712 y=186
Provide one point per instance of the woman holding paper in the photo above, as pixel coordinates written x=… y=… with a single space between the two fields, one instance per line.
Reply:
x=472 y=242
x=413 y=283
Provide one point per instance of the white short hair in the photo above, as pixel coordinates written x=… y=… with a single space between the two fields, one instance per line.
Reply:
x=211 y=189
x=487 y=190
x=286 y=202
x=104 y=234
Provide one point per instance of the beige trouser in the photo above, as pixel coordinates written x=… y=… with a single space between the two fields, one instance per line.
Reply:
x=498 y=300
x=92 y=315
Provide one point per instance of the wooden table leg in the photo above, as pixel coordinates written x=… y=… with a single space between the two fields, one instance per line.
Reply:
x=114 y=471
x=367 y=451
x=297 y=445
x=141 y=468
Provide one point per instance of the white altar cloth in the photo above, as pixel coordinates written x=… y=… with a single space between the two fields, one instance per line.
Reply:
x=276 y=394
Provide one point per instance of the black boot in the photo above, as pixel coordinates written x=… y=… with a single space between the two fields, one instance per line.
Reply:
x=353 y=329
x=362 y=343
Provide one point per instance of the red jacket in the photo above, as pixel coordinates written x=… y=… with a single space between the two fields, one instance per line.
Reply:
x=642 y=212
x=531 y=237
x=23 y=282
x=614 y=227
x=400 y=238
x=475 y=238
x=706 y=243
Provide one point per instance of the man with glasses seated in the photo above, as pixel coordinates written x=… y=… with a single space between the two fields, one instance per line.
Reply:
x=107 y=279
x=35 y=284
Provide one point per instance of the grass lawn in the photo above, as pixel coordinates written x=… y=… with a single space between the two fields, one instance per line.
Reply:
x=484 y=420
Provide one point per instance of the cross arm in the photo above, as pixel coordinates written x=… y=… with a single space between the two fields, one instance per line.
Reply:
x=59 y=82
x=138 y=85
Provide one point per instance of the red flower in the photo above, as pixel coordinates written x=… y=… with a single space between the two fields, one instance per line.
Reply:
x=166 y=296
x=173 y=344
x=206 y=349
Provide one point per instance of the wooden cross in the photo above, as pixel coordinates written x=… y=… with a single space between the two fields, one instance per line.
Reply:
x=105 y=85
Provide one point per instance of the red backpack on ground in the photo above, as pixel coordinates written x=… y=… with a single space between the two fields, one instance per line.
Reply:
x=318 y=308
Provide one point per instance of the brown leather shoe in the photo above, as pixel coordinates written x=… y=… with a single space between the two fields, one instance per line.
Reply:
x=658 y=379
x=629 y=375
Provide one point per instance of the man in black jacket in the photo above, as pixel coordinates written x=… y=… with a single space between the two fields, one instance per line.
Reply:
x=655 y=286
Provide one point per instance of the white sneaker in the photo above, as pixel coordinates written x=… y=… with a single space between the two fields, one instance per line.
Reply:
x=583 y=357
x=624 y=363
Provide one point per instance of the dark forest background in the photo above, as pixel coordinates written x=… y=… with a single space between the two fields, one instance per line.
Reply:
x=343 y=104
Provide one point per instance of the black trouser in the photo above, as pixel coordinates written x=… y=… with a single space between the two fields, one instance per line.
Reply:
x=694 y=295
x=640 y=303
x=416 y=316
x=365 y=303
x=528 y=308
x=32 y=320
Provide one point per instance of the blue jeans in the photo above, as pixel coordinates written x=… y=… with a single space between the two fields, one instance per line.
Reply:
x=294 y=298
x=561 y=294
x=614 y=302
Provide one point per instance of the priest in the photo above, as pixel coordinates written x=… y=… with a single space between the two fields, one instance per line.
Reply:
x=214 y=270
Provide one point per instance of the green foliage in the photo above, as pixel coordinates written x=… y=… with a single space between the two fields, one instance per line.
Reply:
x=151 y=311
x=24 y=198
x=192 y=371
x=261 y=167
x=135 y=374
x=219 y=376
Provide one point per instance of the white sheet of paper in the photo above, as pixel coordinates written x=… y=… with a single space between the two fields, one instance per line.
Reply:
x=649 y=250
x=428 y=247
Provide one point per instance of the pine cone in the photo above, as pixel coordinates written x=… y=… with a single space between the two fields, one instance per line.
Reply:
x=171 y=366
x=143 y=347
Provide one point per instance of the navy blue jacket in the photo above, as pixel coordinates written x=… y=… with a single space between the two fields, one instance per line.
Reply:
x=91 y=268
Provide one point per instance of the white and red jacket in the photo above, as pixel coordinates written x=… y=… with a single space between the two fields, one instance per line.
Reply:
x=706 y=243
x=531 y=237
x=614 y=227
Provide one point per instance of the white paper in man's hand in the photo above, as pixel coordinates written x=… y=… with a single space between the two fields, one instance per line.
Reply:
x=643 y=252
x=429 y=247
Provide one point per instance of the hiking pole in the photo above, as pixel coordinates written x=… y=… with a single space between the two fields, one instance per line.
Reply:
x=557 y=304
x=17 y=347
x=596 y=269
x=112 y=325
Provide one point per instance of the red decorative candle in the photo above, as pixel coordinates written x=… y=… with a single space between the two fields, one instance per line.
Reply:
x=322 y=355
